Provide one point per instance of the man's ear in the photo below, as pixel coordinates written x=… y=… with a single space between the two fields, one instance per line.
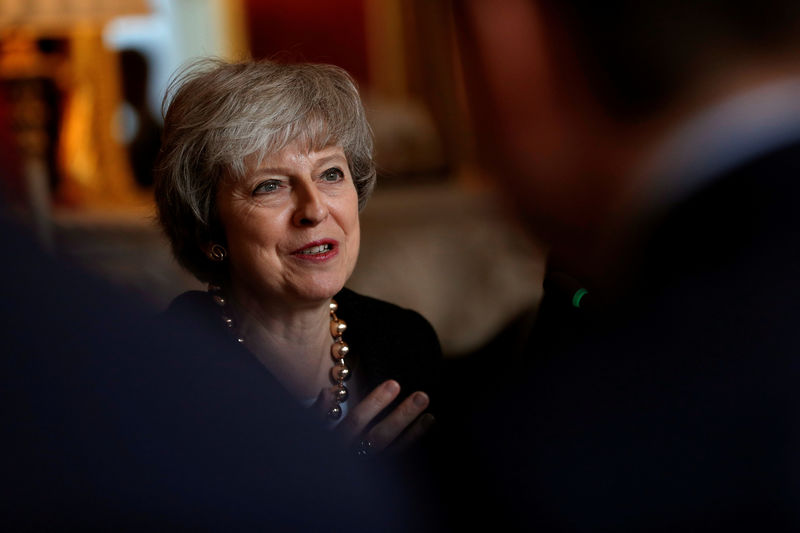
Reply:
x=510 y=76
x=536 y=122
x=526 y=126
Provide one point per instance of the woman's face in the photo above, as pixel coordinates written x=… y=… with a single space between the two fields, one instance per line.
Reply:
x=292 y=225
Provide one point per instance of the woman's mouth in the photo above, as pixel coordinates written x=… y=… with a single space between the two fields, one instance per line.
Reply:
x=317 y=251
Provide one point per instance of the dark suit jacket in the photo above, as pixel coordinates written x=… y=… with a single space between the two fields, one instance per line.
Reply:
x=677 y=408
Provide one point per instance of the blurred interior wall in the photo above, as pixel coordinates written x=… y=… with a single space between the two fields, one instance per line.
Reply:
x=309 y=30
x=173 y=32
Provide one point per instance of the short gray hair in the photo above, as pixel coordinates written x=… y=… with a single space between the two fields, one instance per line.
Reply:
x=220 y=118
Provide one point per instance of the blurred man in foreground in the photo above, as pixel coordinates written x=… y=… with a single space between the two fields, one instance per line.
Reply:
x=114 y=420
x=656 y=146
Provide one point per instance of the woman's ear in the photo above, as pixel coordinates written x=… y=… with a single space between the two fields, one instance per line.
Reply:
x=215 y=252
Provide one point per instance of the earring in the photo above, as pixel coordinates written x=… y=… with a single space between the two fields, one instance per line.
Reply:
x=217 y=253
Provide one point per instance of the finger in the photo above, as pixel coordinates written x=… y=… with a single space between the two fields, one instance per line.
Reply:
x=398 y=420
x=368 y=408
x=419 y=428
x=323 y=402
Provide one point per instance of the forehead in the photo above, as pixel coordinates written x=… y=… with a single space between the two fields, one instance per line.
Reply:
x=298 y=153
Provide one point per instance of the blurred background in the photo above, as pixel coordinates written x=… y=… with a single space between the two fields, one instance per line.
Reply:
x=81 y=83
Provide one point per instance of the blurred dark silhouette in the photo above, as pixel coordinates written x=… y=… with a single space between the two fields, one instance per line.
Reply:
x=143 y=146
x=656 y=147
x=114 y=420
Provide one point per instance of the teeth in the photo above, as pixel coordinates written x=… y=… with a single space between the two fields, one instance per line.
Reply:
x=317 y=249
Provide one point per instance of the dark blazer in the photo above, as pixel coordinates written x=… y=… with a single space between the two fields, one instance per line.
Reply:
x=677 y=407
x=386 y=341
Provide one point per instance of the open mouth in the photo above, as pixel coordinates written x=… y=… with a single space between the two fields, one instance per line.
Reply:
x=319 y=249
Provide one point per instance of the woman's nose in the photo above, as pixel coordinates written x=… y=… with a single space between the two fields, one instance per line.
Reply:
x=310 y=209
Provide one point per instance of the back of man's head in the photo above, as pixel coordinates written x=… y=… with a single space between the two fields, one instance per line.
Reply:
x=639 y=56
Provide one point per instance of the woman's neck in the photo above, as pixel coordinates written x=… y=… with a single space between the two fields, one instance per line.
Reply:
x=292 y=341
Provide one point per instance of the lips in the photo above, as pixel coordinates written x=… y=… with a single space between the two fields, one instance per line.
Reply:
x=316 y=249
x=321 y=250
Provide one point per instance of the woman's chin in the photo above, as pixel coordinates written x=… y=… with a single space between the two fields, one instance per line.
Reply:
x=318 y=292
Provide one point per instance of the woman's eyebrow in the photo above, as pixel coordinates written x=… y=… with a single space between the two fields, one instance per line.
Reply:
x=286 y=171
x=279 y=171
x=328 y=158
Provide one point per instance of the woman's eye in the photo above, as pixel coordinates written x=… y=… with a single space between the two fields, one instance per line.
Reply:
x=267 y=187
x=332 y=175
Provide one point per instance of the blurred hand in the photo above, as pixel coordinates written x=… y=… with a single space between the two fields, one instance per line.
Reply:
x=399 y=429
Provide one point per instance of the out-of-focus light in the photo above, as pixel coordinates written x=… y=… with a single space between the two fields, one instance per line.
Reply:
x=55 y=14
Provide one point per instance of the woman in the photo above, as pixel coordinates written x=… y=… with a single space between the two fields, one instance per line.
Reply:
x=262 y=173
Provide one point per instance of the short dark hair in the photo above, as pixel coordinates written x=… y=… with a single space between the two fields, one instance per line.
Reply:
x=640 y=54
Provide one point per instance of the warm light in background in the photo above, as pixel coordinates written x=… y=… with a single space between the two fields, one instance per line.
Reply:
x=49 y=15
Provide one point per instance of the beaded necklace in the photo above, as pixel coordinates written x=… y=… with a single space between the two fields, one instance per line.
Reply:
x=339 y=349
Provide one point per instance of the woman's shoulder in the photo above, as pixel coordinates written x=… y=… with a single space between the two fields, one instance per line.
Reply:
x=367 y=308
x=189 y=301
x=391 y=342
x=193 y=306
x=384 y=324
